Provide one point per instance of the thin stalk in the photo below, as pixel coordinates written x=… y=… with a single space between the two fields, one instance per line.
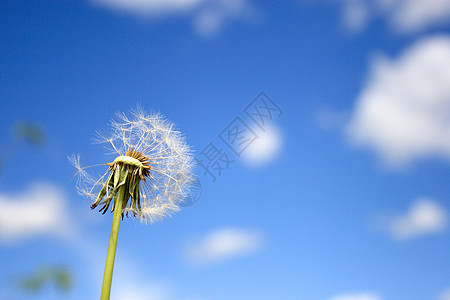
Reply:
x=107 y=277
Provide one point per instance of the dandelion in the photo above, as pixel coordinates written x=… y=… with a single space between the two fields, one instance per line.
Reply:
x=148 y=179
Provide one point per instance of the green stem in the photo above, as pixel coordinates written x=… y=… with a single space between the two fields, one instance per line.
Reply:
x=107 y=277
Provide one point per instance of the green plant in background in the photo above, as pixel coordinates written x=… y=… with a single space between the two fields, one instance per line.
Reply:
x=42 y=276
x=33 y=134
x=30 y=132
x=22 y=131
x=148 y=178
x=37 y=282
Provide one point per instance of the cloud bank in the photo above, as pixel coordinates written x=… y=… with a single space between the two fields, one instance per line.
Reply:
x=403 y=112
x=265 y=148
x=445 y=295
x=424 y=217
x=41 y=209
x=209 y=17
x=403 y=16
x=357 y=296
x=223 y=244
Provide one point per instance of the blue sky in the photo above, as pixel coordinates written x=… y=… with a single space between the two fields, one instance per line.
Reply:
x=344 y=196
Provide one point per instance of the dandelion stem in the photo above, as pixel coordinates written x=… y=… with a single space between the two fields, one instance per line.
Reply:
x=107 y=277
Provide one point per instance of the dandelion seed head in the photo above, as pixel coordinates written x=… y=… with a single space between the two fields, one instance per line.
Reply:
x=152 y=160
x=81 y=174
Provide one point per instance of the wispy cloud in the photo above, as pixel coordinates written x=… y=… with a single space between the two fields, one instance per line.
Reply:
x=151 y=7
x=209 y=17
x=329 y=119
x=265 y=148
x=403 y=111
x=132 y=279
x=357 y=296
x=445 y=295
x=41 y=209
x=355 y=15
x=425 y=216
x=223 y=244
x=132 y=282
x=404 y=16
x=137 y=289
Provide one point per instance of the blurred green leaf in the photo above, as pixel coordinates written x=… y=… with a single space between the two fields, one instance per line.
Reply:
x=35 y=282
x=30 y=132
x=63 y=280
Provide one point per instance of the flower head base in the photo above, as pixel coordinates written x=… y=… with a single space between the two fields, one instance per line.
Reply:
x=128 y=170
x=153 y=164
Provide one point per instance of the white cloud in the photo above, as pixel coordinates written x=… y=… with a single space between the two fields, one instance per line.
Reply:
x=330 y=120
x=357 y=296
x=39 y=210
x=151 y=290
x=403 y=112
x=414 y=15
x=146 y=290
x=445 y=295
x=139 y=289
x=151 y=7
x=214 y=16
x=209 y=17
x=223 y=244
x=131 y=282
x=355 y=15
x=132 y=279
x=425 y=216
x=404 y=16
x=265 y=148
